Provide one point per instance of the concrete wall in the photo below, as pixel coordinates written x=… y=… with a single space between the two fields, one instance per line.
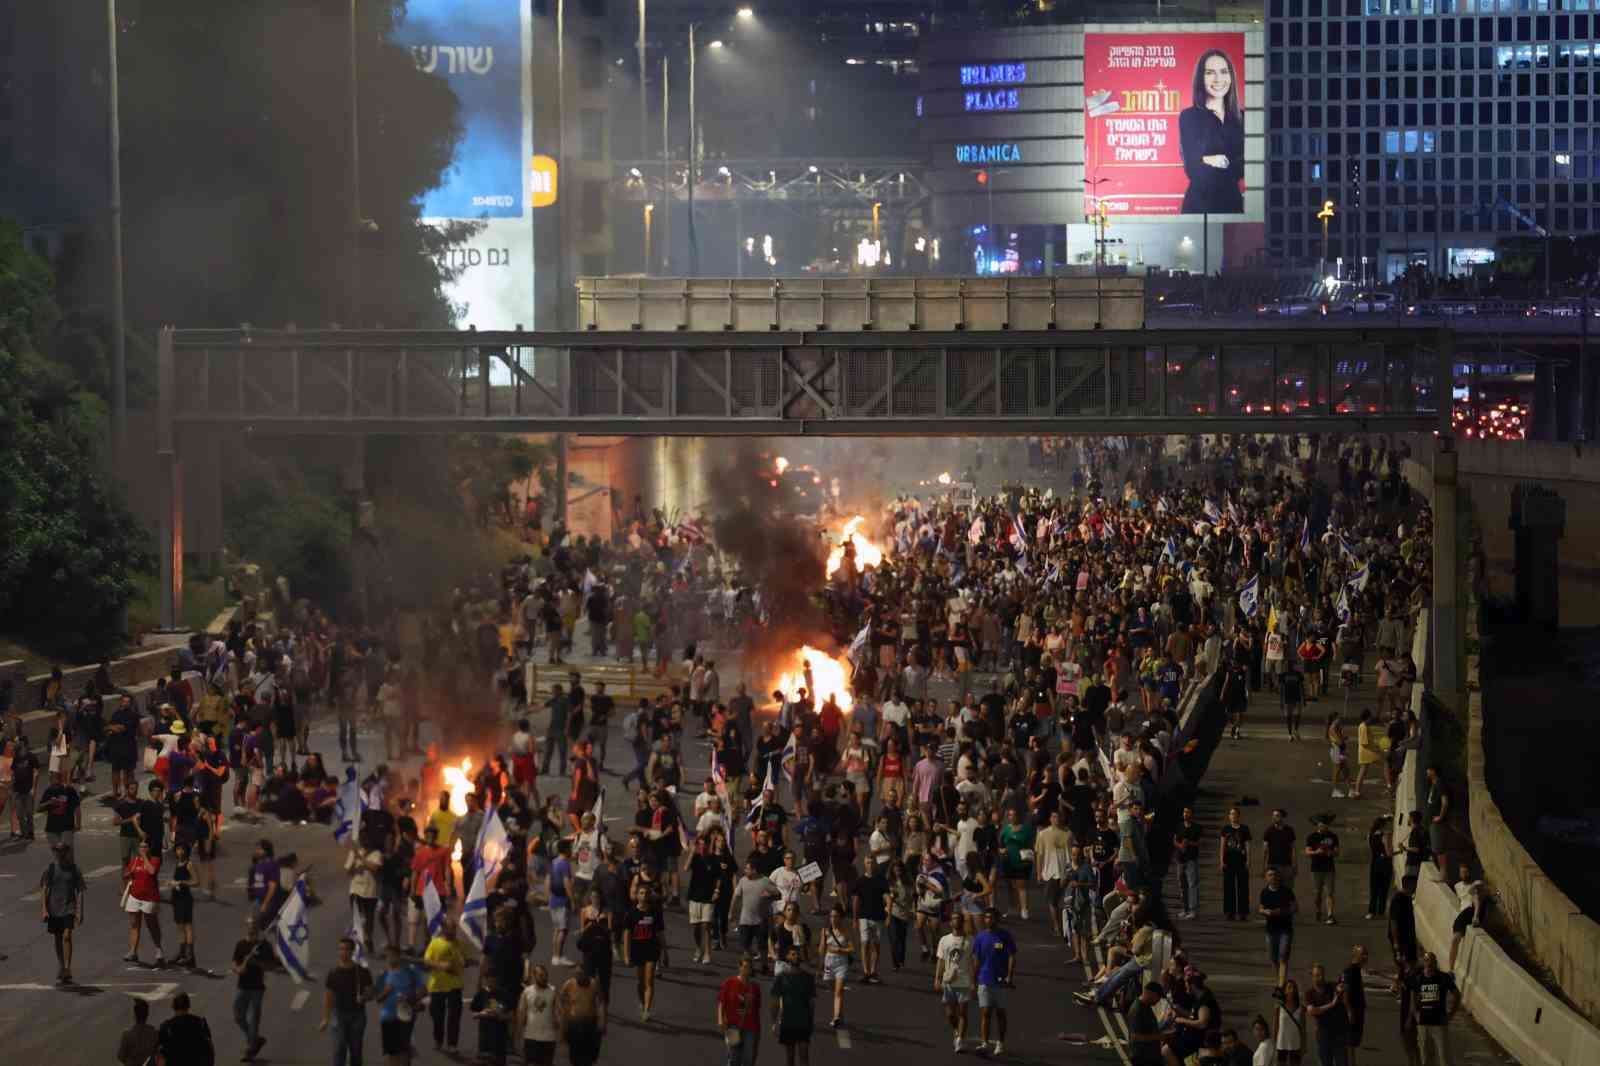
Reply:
x=673 y=473
x=1490 y=470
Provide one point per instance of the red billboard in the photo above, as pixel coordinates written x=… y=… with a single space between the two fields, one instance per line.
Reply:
x=1164 y=123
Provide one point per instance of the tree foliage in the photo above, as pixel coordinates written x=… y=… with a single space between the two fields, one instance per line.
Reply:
x=68 y=550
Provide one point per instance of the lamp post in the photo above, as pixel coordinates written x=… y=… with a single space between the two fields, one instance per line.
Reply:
x=1326 y=215
x=648 y=210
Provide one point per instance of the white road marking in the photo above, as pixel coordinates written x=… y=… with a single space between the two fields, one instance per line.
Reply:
x=155 y=990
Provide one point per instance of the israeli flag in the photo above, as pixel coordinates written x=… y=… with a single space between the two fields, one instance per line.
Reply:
x=357 y=934
x=1233 y=512
x=1161 y=505
x=1019 y=533
x=475 y=912
x=291 y=935
x=1341 y=606
x=1305 y=535
x=599 y=811
x=1169 y=553
x=791 y=751
x=494 y=843
x=858 y=646
x=1213 y=513
x=347 y=808
x=1250 y=597
x=1358 y=580
x=433 y=906
x=1346 y=547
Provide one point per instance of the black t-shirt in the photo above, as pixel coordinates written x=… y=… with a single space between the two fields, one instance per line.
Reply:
x=128 y=810
x=248 y=952
x=60 y=804
x=1279 y=899
x=185 y=1040
x=766 y=860
x=1279 y=840
x=704 y=871
x=1142 y=1022
x=1355 y=985
x=349 y=984
x=1081 y=819
x=1235 y=844
x=773 y=818
x=1188 y=837
x=1321 y=863
x=872 y=892
x=1430 y=994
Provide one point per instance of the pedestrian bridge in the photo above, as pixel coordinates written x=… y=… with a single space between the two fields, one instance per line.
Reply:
x=1277 y=379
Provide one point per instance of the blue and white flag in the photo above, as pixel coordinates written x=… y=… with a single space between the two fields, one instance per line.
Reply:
x=791 y=751
x=1169 y=553
x=1019 y=533
x=1213 y=512
x=494 y=843
x=475 y=912
x=1233 y=512
x=1358 y=580
x=347 y=808
x=1161 y=505
x=291 y=934
x=1305 y=535
x=357 y=934
x=1346 y=547
x=599 y=810
x=433 y=906
x=1341 y=606
x=858 y=646
x=1250 y=597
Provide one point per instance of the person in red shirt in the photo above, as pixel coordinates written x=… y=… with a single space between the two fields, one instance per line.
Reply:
x=141 y=899
x=739 y=1015
x=585 y=784
x=431 y=862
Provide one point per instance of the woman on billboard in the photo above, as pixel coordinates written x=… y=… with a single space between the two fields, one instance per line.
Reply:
x=1211 y=137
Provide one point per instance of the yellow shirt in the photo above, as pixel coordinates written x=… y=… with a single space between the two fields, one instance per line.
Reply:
x=446 y=951
x=445 y=823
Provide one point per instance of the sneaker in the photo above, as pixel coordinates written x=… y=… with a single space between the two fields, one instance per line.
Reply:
x=1024 y=913
x=982 y=1048
x=1370 y=916
x=997 y=1048
x=131 y=957
x=1330 y=921
x=1355 y=794
x=1338 y=795
x=1085 y=999
x=955 y=1045
x=837 y=1023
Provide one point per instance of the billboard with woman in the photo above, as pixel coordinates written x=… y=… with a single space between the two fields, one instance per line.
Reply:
x=1164 y=123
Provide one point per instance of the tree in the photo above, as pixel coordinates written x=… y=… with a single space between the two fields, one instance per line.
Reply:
x=68 y=550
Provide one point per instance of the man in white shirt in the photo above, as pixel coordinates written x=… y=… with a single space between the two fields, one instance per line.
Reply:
x=952 y=975
x=786 y=879
x=892 y=717
x=536 y=1018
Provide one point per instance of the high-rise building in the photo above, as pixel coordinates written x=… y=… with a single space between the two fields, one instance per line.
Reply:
x=1437 y=128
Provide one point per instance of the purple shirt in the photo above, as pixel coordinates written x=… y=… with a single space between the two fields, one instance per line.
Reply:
x=179 y=764
x=263 y=875
x=926 y=777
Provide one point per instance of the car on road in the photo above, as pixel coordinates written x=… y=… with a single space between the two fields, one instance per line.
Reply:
x=1292 y=307
x=1369 y=302
x=1177 y=310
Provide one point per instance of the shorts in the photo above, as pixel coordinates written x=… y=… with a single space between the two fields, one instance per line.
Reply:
x=991 y=997
x=1279 y=946
x=61 y=925
x=1436 y=837
x=396 y=1036
x=63 y=837
x=120 y=763
x=789 y=1037
x=701 y=913
x=583 y=1043
x=957 y=996
x=835 y=967
x=560 y=918
x=871 y=931
x=539 y=1052
x=139 y=906
x=1463 y=922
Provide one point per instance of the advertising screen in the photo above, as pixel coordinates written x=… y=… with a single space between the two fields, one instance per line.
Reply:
x=478 y=48
x=1164 y=123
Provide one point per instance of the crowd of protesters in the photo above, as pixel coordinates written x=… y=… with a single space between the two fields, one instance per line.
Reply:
x=826 y=846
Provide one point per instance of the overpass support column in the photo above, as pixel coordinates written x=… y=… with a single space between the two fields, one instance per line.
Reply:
x=171 y=525
x=1447 y=577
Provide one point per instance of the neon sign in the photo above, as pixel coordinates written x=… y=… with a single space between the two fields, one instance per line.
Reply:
x=988 y=154
x=994 y=74
x=998 y=100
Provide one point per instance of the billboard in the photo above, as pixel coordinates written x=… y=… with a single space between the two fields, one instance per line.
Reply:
x=480 y=48
x=1164 y=123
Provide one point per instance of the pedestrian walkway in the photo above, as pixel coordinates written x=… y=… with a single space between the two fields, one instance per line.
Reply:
x=1266 y=765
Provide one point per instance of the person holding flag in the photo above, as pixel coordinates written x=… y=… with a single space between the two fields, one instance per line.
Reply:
x=291 y=933
x=1250 y=597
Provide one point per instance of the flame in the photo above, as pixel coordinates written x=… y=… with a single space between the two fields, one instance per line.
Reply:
x=944 y=478
x=867 y=553
x=829 y=677
x=783 y=464
x=458 y=779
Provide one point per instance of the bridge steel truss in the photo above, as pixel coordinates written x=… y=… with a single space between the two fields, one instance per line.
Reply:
x=372 y=382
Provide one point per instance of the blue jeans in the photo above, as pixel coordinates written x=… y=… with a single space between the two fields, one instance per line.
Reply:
x=1129 y=971
x=744 y=1052
x=641 y=757
x=349 y=1029
x=1189 y=884
x=247 y=1013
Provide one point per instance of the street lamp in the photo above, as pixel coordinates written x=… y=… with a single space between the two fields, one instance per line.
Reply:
x=746 y=13
x=1326 y=215
x=648 y=210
